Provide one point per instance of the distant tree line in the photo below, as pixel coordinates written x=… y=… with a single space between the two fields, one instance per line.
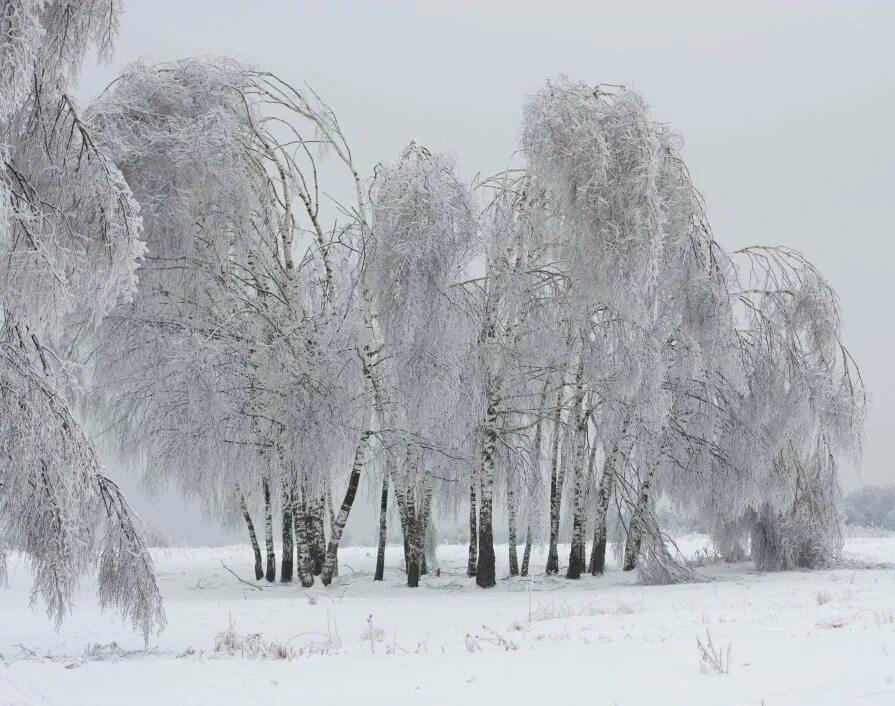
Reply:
x=871 y=506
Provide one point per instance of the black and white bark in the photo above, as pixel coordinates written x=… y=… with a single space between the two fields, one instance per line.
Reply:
x=638 y=523
x=472 y=563
x=485 y=571
x=383 y=530
x=423 y=528
x=430 y=545
x=363 y=442
x=411 y=511
x=511 y=528
x=271 y=571
x=582 y=489
x=537 y=442
x=416 y=536
x=414 y=552
x=345 y=510
x=303 y=561
x=316 y=533
x=580 y=420
x=556 y=479
x=288 y=550
x=253 y=538
x=597 y=563
x=331 y=515
x=526 y=555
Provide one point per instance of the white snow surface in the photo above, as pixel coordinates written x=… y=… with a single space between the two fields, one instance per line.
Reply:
x=823 y=637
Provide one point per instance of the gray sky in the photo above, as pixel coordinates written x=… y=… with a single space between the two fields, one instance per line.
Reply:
x=787 y=110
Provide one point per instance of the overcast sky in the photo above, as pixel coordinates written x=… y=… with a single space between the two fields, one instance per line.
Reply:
x=787 y=110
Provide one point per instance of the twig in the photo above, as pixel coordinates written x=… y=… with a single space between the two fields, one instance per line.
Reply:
x=238 y=578
x=452 y=585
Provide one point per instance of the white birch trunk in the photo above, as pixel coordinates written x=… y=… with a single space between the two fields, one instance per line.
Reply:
x=485 y=573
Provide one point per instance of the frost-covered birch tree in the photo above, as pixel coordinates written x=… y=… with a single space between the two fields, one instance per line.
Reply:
x=665 y=337
x=70 y=246
x=234 y=369
x=807 y=403
x=424 y=231
x=596 y=153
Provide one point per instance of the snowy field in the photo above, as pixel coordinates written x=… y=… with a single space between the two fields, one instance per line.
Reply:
x=794 y=638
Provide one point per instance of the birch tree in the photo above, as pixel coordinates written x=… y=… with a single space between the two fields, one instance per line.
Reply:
x=596 y=153
x=424 y=232
x=70 y=245
x=234 y=368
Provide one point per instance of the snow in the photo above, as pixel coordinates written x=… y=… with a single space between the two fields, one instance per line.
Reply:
x=824 y=637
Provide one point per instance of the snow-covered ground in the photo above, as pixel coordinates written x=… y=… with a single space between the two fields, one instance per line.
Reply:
x=794 y=638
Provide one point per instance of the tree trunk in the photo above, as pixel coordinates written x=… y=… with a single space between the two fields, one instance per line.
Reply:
x=485 y=575
x=526 y=555
x=409 y=523
x=411 y=544
x=399 y=481
x=555 y=490
x=259 y=569
x=430 y=545
x=405 y=515
x=579 y=448
x=411 y=518
x=303 y=556
x=316 y=534
x=576 y=549
x=637 y=523
x=288 y=549
x=271 y=574
x=536 y=454
x=472 y=564
x=604 y=495
x=345 y=510
x=383 y=529
x=425 y=514
x=577 y=562
x=413 y=553
x=511 y=527
x=330 y=513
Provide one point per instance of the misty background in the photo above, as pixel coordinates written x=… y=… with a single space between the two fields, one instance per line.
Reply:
x=786 y=110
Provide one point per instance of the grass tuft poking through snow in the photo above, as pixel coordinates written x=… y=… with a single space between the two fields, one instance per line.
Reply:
x=711 y=658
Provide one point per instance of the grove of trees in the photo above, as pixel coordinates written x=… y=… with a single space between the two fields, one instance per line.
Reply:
x=564 y=341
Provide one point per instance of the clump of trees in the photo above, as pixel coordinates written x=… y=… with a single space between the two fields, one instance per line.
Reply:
x=565 y=340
